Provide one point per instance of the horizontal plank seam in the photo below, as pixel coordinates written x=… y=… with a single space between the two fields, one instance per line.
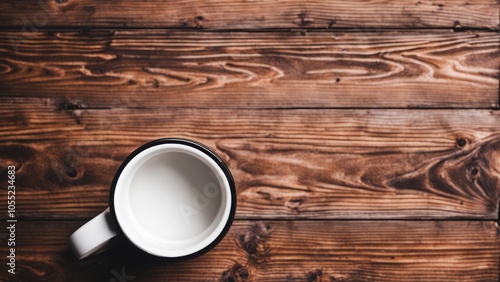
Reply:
x=19 y=28
x=72 y=104
x=413 y=108
x=464 y=219
x=72 y=107
x=294 y=219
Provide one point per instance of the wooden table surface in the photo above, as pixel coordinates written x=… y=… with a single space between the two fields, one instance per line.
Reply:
x=364 y=136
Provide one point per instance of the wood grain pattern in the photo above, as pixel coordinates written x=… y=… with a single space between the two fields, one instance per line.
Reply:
x=306 y=101
x=241 y=14
x=281 y=251
x=154 y=68
x=286 y=163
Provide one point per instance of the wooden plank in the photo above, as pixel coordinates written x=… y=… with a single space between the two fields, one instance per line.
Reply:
x=240 y=14
x=157 y=68
x=287 y=163
x=280 y=251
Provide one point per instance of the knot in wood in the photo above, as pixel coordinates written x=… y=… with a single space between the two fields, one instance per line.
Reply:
x=314 y=276
x=236 y=273
x=461 y=142
x=254 y=242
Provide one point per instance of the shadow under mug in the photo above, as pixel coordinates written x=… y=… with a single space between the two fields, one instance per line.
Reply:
x=171 y=198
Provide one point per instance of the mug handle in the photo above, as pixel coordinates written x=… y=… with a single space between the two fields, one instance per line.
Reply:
x=94 y=236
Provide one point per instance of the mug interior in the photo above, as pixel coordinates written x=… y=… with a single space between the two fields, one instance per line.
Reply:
x=172 y=200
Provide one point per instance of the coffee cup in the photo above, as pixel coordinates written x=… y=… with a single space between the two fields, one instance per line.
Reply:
x=171 y=198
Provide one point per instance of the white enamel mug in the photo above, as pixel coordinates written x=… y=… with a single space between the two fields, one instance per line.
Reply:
x=171 y=198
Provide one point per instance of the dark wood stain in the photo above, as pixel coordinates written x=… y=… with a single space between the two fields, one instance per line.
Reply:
x=267 y=14
x=363 y=136
x=314 y=250
x=319 y=71
x=345 y=163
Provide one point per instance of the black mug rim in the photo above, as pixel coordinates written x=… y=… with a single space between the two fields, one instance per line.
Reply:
x=204 y=149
